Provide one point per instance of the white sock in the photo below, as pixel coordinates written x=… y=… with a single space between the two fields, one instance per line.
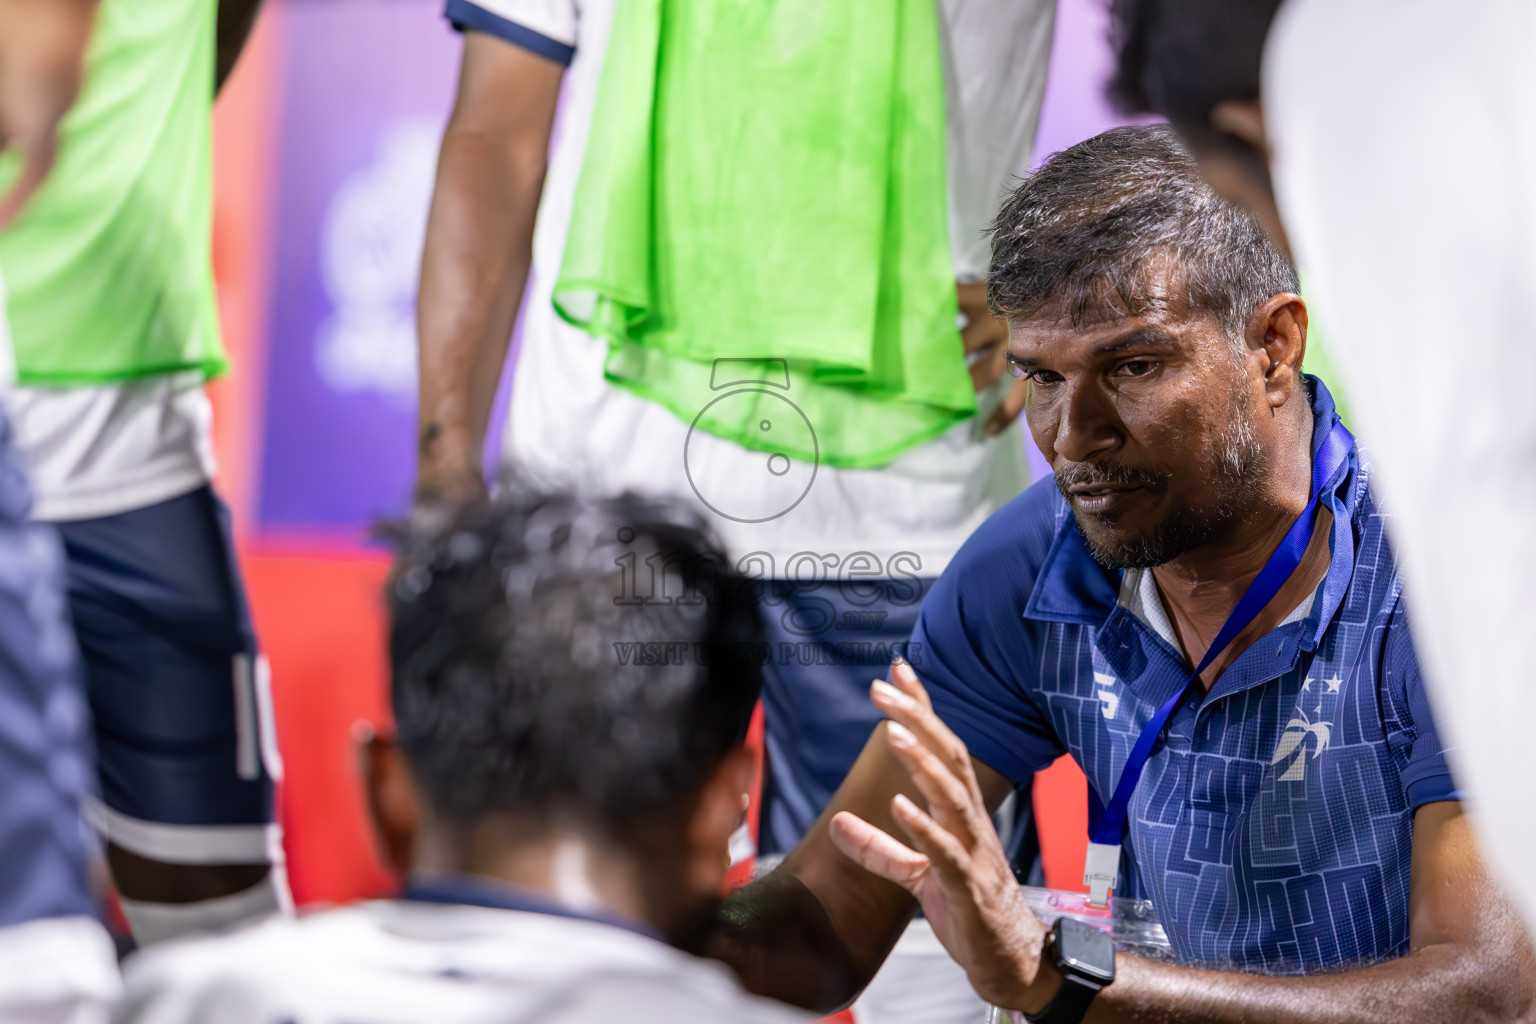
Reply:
x=156 y=922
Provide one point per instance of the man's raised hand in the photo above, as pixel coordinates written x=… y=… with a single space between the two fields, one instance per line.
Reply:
x=955 y=866
x=985 y=339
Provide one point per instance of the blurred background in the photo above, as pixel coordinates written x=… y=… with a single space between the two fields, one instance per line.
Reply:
x=326 y=144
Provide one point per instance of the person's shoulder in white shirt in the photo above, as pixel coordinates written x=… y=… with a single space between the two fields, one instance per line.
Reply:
x=421 y=959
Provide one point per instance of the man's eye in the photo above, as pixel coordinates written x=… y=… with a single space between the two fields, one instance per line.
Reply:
x=1037 y=377
x=1137 y=367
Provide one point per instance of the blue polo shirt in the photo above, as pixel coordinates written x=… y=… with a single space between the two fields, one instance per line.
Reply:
x=1273 y=827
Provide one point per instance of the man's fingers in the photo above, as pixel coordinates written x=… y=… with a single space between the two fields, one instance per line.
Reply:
x=987 y=365
x=983 y=333
x=950 y=801
x=940 y=850
x=904 y=678
x=931 y=732
x=1008 y=410
x=907 y=702
x=972 y=300
x=877 y=852
x=984 y=337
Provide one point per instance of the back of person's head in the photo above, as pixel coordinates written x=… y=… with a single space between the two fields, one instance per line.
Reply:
x=569 y=662
x=1077 y=238
x=1180 y=58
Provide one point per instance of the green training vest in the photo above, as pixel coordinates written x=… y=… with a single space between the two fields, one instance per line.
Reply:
x=763 y=198
x=109 y=270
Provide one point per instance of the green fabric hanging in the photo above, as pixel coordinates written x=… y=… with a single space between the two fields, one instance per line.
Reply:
x=109 y=268
x=764 y=182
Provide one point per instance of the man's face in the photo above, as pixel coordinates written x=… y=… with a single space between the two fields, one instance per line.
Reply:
x=1148 y=422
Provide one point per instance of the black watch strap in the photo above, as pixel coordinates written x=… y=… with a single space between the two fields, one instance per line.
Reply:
x=1070 y=1004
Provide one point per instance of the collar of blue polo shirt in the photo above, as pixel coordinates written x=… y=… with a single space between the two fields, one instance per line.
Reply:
x=1106 y=823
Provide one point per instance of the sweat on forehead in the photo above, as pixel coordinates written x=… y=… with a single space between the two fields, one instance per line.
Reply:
x=1081 y=234
x=1154 y=291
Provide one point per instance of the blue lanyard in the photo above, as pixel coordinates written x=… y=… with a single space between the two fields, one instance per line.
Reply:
x=1106 y=825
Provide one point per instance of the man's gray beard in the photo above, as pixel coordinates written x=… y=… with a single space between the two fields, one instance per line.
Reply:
x=1241 y=463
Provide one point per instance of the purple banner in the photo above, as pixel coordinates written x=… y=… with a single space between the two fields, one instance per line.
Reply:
x=367 y=89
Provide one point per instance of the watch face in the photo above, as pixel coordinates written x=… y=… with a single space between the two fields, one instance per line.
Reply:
x=1085 y=950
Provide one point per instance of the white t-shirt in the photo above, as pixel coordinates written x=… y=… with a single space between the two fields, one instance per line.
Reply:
x=567 y=424
x=393 y=962
x=1404 y=157
x=100 y=450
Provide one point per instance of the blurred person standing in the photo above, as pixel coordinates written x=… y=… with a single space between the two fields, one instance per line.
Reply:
x=57 y=964
x=845 y=548
x=114 y=332
x=1393 y=148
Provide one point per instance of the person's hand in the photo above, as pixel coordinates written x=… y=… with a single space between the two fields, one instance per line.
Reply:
x=955 y=867
x=448 y=474
x=986 y=351
x=438 y=485
x=42 y=48
x=440 y=498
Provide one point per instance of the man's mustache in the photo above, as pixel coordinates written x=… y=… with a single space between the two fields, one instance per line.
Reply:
x=1092 y=474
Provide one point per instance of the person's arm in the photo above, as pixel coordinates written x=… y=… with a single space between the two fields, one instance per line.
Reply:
x=815 y=930
x=235 y=20
x=479 y=245
x=1469 y=959
x=42 y=52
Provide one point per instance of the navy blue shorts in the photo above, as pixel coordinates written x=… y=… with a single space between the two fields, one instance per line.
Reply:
x=176 y=684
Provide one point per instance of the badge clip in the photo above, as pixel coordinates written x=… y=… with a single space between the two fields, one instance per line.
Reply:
x=1101 y=872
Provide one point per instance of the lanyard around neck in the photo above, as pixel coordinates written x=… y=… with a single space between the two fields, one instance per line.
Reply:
x=1106 y=824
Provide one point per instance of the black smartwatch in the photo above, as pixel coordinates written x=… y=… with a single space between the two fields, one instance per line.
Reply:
x=1085 y=959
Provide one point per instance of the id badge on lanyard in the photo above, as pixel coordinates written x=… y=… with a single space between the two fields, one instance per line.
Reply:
x=1106 y=824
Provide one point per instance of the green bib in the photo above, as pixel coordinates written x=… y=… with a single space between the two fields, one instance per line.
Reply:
x=108 y=270
x=765 y=184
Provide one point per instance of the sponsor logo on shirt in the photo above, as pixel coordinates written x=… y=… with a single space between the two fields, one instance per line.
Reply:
x=1109 y=700
x=1292 y=748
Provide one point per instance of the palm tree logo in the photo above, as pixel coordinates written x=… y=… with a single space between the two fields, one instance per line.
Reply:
x=1293 y=745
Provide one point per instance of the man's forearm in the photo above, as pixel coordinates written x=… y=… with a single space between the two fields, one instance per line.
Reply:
x=475 y=265
x=780 y=940
x=1444 y=983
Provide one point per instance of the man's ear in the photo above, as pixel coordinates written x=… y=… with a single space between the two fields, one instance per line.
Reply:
x=1278 y=331
x=720 y=811
x=393 y=806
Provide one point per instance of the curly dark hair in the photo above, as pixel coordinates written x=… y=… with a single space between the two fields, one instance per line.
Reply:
x=529 y=679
